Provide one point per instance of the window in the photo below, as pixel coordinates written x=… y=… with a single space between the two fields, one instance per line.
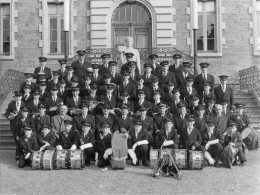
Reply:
x=5 y=33
x=56 y=33
x=206 y=36
x=257 y=28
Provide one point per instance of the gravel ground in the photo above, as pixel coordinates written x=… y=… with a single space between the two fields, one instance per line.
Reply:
x=132 y=180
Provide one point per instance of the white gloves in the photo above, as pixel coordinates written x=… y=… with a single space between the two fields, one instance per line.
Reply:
x=27 y=155
x=132 y=155
x=212 y=142
x=209 y=158
x=168 y=143
x=143 y=142
x=59 y=147
x=134 y=146
x=73 y=147
x=107 y=153
x=84 y=146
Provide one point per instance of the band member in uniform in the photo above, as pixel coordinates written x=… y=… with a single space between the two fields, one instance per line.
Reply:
x=74 y=103
x=126 y=85
x=180 y=119
x=220 y=119
x=206 y=95
x=74 y=83
x=124 y=123
x=194 y=102
x=165 y=75
x=46 y=139
x=224 y=92
x=210 y=107
x=54 y=81
x=43 y=93
x=96 y=76
x=168 y=137
x=168 y=96
x=225 y=109
x=42 y=70
x=87 y=141
x=81 y=65
x=129 y=58
x=141 y=101
x=155 y=103
x=34 y=103
x=27 y=97
x=84 y=116
x=155 y=66
x=103 y=69
x=139 y=142
x=140 y=85
x=149 y=74
x=41 y=118
x=70 y=75
x=177 y=66
x=125 y=101
x=109 y=98
x=203 y=78
x=233 y=139
x=103 y=145
x=29 y=78
x=58 y=120
x=212 y=140
x=53 y=102
x=91 y=99
x=155 y=87
x=12 y=113
x=200 y=122
x=133 y=72
x=62 y=93
x=27 y=145
x=85 y=88
x=62 y=71
x=188 y=91
x=190 y=137
x=181 y=76
x=115 y=77
x=24 y=121
x=175 y=101
x=68 y=138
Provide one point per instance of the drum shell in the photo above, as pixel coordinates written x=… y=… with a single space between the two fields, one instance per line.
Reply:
x=61 y=159
x=181 y=158
x=36 y=163
x=154 y=155
x=195 y=159
x=76 y=159
x=48 y=159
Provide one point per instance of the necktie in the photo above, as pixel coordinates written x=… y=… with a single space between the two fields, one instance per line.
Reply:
x=54 y=99
x=164 y=74
x=109 y=97
x=124 y=84
x=36 y=103
x=18 y=106
x=223 y=88
x=205 y=77
x=42 y=69
x=132 y=75
x=26 y=96
x=76 y=101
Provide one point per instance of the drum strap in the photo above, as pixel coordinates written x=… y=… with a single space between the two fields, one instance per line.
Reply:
x=65 y=135
x=240 y=120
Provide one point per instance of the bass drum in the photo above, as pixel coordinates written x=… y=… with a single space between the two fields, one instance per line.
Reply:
x=196 y=159
x=61 y=159
x=37 y=160
x=76 y=159
x=48 y=159
x=181 y=158
x=250 y=138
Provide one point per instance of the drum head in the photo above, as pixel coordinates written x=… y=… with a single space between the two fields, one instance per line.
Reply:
x=245 y=132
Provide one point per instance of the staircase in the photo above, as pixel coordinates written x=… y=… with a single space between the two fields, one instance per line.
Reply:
x=252 y=109
x=6 y=138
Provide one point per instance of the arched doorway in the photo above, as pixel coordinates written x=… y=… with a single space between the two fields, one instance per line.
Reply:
x=132 y=19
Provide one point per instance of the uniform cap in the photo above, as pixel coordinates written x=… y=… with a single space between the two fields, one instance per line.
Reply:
x=204 y=65
x=81 y=52
x=105 y=55
x=176 y=56
x=42 y=59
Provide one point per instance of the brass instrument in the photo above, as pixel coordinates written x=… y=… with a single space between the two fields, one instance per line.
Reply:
x=55 y=108
x=12 y=115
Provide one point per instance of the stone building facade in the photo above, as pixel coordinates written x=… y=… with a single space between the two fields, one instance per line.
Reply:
x=228 y=35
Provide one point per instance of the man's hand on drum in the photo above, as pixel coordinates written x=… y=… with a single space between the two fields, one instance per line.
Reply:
x=73 y=147
x=59 y=147
x=231 y=144
x=193 y=148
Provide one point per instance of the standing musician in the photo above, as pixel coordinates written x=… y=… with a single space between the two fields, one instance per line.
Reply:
x=96 y=76
x=53 y=102
x=177 y=66
x=188 y=91
x=43 y=93
x=103 y=145
x=115 y=77
x=165 y=75
x=34 y=103
x=124 y=123
x=181 y=76
x=29 y=78
x=212 y=140
x=103 y=69
x=74 y=103
x=149 y=75
x=27 y=97
x=124 y=100
x=155 y=66
x=46 y=139
x=81 y=65
x=87 y=141
x=126 y=85
x=68 y=138
x=55 y=80
x=62 y=71
x=24 y=121
x=27 y=145
x=41 y=118
x=42 y=70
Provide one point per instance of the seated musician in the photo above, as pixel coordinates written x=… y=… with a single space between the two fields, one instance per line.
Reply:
x=42 y=70
x=27 y=145
x=103 y=145
x=126 y=85
x=85 y=88
x=84 y=116
x=115 y=77
x=212 y=140
x=54 y=81
x=194 y=102
x=29 y=78
x=74 y=103
x=125 y=101
x=41 y=118
x=138 y=141
x=27 y=96
x=24 y=120
x=109 y=98
x=140 y=85
x=149 y=74
x=46 y=139
x=190 y=137
x=87 y=141
x=188 y=91
x=124 y=123
x=180 y=119
x=43 y=93
x=62 y=93
x=168 y=96
x=233 y=138
x=58 y=124
x=210 y=107
x=201 y=118
x=206 y=94
x=155 y=103
x=168 y=137
x=53 y=102
x=155 y=87
x=34 y=103
x=68 y=138
x=141 y=101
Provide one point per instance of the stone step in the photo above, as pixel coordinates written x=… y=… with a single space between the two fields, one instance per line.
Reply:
x=6 y=136
x=7 y=147
x=5 y=131
x=244 y=99
x=242 y=95
x=254 y=119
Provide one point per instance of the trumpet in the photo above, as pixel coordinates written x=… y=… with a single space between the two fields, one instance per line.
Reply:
x=12 y=115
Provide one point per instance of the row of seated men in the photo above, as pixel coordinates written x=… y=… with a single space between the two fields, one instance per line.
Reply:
x=182 y=130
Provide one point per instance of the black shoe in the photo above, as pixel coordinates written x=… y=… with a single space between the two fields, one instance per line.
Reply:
x=216 y=164
x=234 y=163
x=87 y=163
x=146 y=164
x=243 y=163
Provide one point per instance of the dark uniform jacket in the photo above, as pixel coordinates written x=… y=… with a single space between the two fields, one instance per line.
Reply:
x=72 y=104
x=103 y=69
x=200 y=123
x=158 y=121
x=242 y=120
x=33 y=86
x=41 y=120
x=189 y=140
x=49 y=102
x=52 y=83
x=98 y=80
x=79 y=119
x=103 y=144
x=164 y=79
x=129 y=103
x=63 y=94
x=147 y=123
x=180 y=123
x=117 y=79
x=28 y=145
x=84 y=91
x=121 y=123
x=146 y=89
x=160 y=89
x=142 y=135
x=233 y=138
x=62 y=74
x=44 y=95
x=185 y=95
x=129 y=88
x=47 y=72
x=100 y=119
x=89 y=138
x=215 y=135
x=80 y=69
x=204 y=98
x=112 y=102
x=27 y=99
x=180 y=80
x=145 y=103
x=221 y=122
x=50 y=138
x=199 y=83
x=148 y=81
x=172 y=135
x=66 y=140
x=12 y=108
x=32 y=107
x=27 y=122
x=220 y=95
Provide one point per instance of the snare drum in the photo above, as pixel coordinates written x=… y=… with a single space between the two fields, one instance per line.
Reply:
x=61 y=159
x=195 y=159
x=76 y=159
x=36 y=160
x=181 y=158
x=48 y=159
x=153 y=156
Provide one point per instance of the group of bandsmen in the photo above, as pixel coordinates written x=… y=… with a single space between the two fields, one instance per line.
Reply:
x=81 y=105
